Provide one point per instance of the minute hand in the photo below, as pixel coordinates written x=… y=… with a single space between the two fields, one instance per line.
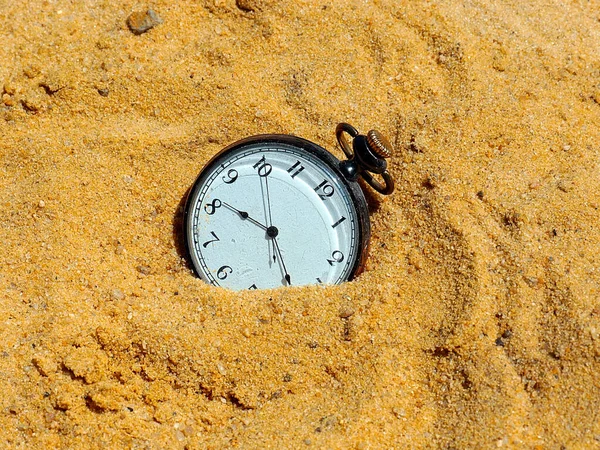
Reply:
x=244 y=215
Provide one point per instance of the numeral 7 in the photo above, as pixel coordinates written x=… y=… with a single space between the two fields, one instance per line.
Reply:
x=216 y=238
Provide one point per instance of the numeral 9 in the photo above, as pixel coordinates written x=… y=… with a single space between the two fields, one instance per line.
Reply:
x=232 y=174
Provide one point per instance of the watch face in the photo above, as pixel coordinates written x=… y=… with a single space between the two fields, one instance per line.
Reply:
x=273 y=211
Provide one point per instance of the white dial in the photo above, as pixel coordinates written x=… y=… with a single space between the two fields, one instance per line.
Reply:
x=269 y=214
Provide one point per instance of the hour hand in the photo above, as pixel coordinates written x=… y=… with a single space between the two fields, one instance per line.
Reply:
x=244 y=215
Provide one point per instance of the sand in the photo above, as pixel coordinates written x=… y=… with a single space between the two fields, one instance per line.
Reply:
x=476 y=323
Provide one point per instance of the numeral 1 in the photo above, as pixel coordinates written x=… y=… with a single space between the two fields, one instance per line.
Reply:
x=338 y=222
x=297 y=171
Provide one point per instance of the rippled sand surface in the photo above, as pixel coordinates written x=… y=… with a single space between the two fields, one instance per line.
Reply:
x=477 y=321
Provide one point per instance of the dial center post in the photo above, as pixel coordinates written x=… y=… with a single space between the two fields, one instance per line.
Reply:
x=272 y=231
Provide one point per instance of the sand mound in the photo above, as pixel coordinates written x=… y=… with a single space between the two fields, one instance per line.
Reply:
x=477 y=321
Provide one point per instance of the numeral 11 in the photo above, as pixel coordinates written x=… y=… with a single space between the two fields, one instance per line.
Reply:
x=293 y=171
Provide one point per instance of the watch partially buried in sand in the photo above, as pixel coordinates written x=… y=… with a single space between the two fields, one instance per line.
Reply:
x=277 y=210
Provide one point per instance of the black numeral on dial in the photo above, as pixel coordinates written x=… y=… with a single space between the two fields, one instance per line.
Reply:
x=338 y=222
x=337 y=256
x=326 y=190
x=263 y=167
x=216 y=238
x=295 y=169
x=232 y=175
x=211 y=207
x=253 y=287
x=223 y=272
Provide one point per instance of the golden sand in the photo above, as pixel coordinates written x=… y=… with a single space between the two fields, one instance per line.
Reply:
x=477 y=321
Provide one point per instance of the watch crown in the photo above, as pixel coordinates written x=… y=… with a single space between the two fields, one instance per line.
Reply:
x=379 y=144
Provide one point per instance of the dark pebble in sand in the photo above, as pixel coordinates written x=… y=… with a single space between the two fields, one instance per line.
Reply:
x=248 y=5
x=141 y=21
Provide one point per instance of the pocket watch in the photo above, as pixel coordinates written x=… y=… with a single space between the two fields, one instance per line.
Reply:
x=277 y=210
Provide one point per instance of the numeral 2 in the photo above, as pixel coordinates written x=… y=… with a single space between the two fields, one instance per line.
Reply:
x=337 y=256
